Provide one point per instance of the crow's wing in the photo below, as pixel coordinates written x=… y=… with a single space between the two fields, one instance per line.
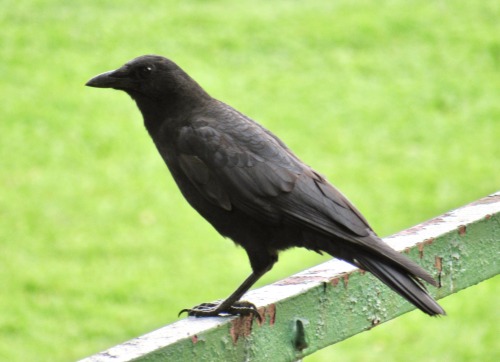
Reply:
x=240 y=164
x=246 y=167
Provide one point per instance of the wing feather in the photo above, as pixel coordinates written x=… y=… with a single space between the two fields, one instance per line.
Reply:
x=249 y=168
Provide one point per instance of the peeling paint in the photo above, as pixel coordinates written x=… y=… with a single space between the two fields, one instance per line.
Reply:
x=241 y=327
x=420 y=247
x=428 y=241
x=421 y=226
x=271 y=311
x=300 y=279
x=261 y=319
x=491 y=199
x=346 y=280
x=438 y=263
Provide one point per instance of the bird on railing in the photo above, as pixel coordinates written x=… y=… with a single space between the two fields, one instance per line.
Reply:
x=251 y=187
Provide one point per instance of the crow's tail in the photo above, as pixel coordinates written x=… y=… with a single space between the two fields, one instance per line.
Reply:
x=401 y=281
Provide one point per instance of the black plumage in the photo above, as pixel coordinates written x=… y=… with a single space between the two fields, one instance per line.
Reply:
x=250 y=186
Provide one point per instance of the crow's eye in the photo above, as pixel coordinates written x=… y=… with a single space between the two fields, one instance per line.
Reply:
x=145 y=71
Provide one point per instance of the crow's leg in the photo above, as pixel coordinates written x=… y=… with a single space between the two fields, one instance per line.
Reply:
x=232 y=305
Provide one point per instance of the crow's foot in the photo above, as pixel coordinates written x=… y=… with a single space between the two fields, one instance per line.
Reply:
x=241 y=308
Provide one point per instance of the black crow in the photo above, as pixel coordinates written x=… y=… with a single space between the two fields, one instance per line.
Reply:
x=251 y=187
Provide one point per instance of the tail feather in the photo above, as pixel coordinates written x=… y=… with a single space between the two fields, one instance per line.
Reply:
x=402 y=283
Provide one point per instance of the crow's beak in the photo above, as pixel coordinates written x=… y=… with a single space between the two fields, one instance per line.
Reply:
x=118 y=79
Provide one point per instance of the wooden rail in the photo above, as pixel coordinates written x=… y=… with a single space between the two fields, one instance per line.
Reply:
x=331 y=301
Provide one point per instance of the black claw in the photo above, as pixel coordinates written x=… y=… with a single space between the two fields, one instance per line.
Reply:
x=241 y=308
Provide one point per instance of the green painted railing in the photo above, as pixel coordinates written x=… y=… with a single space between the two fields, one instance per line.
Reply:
x=331 y=301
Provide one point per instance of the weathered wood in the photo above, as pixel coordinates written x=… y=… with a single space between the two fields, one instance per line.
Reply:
x=331 y=301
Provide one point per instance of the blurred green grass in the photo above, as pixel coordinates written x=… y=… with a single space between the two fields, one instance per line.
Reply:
x=396 y=102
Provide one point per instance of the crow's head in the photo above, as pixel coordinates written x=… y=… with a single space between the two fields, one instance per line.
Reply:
x=150 y=77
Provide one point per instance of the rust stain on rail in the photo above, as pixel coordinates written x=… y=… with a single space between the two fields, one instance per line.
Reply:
x=241 y=327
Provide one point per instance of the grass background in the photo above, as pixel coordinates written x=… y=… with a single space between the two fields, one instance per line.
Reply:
x=397 y=102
